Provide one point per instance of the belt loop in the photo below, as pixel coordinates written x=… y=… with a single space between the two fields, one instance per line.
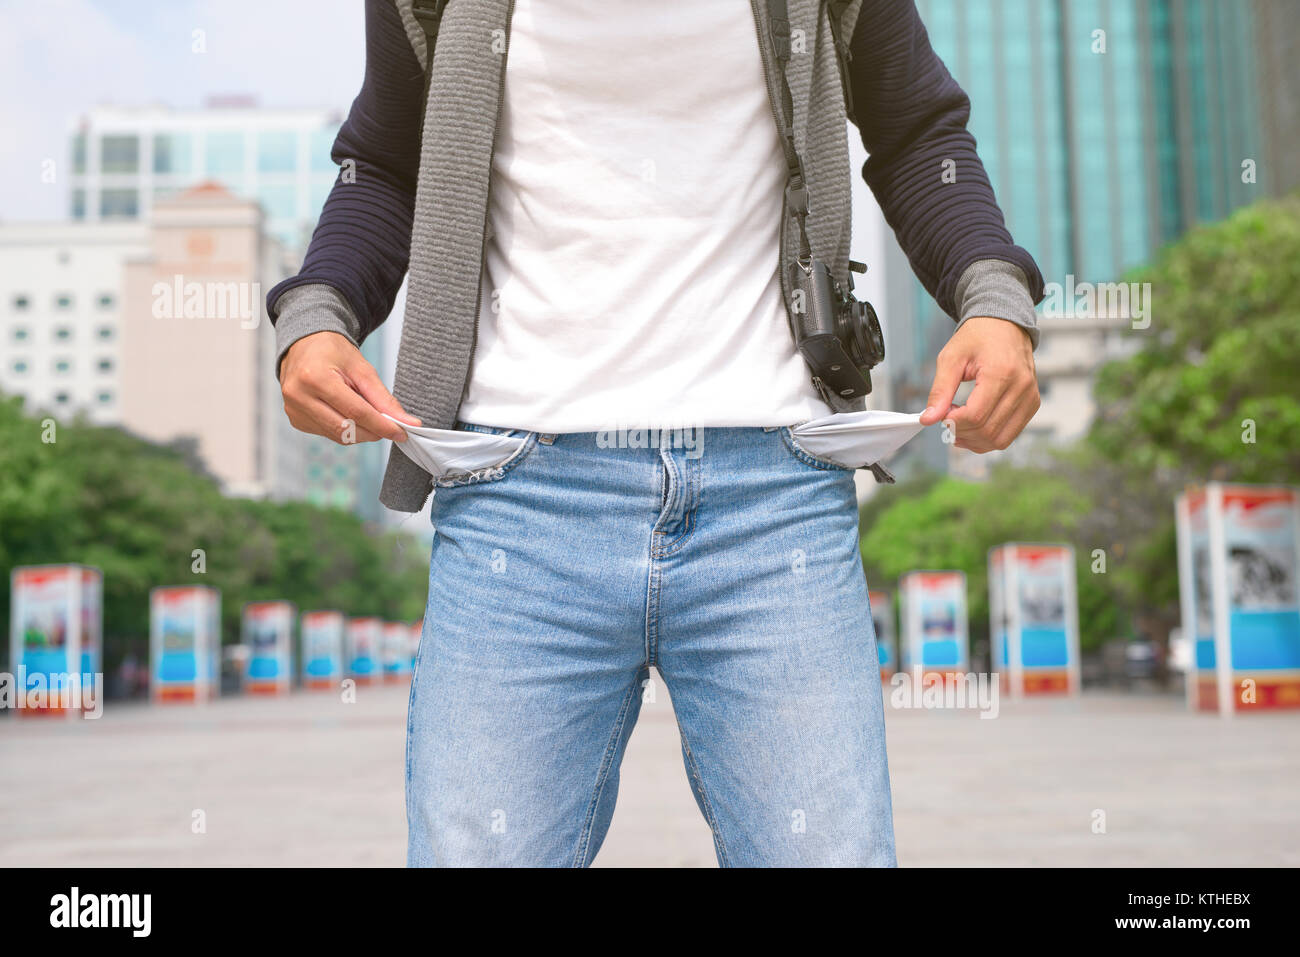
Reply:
x=546 y=438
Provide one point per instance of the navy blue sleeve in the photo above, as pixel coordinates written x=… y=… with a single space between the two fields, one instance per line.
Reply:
x=362 y=241
x=912 y=116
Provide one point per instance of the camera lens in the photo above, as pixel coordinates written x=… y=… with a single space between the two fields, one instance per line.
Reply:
x=858 y=328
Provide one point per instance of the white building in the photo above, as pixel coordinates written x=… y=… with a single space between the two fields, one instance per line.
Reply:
x=124 y=159
x=60 y=314
x=82 y=330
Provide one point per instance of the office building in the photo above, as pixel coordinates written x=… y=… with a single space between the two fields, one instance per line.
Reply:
x=1108 y=128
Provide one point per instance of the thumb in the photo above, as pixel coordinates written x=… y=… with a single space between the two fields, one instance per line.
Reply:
x=947 y=380
x=367 y=382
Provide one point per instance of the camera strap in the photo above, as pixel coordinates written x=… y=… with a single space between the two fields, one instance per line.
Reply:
x=796 y=188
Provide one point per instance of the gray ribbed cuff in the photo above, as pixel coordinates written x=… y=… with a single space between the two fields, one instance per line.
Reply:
x=306 y=310
x=991 y=287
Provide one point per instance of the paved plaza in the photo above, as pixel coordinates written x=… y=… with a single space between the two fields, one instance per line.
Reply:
x=308 y=780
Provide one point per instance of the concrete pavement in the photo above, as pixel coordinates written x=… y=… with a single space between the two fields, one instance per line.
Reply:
x=311 y=781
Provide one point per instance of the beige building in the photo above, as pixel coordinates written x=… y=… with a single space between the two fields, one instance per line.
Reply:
x=197 y=348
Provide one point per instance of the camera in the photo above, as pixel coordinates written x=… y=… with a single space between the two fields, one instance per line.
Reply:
x=837 y=335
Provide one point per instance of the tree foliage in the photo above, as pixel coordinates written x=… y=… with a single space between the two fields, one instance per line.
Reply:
x=138 y=512
x=1211 y=393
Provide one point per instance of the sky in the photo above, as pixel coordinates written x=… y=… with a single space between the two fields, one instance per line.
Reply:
x=59 y=58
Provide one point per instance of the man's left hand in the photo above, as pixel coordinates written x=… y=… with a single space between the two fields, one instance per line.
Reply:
x=998 y=355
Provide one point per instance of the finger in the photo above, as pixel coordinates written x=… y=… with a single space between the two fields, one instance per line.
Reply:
x=334 y=425
x=1006 y=410
x=367 y=382
x=341 y=397
x=1026 y=406
x=1004 y=423
x=948 y=377
x=971 y=418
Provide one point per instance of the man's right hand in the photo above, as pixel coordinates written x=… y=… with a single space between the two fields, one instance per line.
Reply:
x=331 y=390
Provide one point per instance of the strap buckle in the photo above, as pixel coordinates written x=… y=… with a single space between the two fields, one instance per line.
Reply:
x=428 y=13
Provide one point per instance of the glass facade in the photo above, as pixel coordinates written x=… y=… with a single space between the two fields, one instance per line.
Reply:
x=119 y=204
x=277 y=152
x=1107 y=126
x=224 y=155
x=173 y=154
x=119 y=154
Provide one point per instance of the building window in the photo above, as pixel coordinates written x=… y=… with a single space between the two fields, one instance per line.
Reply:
x=63 y=333
x=172 y=154
x=63 y=301
x=105 y=398
x=62 y=366
x=119 y=204
x=105 y=332
x=279 y=202
x=20 y=334
x=21 y=303
x=224 y=155
x=119 y=154
x=107 y=300
x=61 y=398
x=78 y=204
x=277 y=152
x=320 y=147
x=104 y=365
x=20 y=366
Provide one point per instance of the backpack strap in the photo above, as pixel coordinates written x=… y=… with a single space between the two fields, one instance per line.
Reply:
x=428 y=14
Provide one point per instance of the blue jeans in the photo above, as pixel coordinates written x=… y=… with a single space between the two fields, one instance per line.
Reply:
x=559 y=579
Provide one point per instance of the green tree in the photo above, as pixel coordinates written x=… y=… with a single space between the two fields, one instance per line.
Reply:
x=952 y=525
x=139 y=511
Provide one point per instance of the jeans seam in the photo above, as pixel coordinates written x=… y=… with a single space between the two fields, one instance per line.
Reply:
x=709 y=814
x=410 y=727
x=584 y=839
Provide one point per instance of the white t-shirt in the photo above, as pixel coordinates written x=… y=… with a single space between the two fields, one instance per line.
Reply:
x=630 y=278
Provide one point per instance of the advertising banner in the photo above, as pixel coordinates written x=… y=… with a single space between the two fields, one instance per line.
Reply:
x=322 y=649
x=184 y=643
x=364 y=641
x=1238 y=562
x=882 y=617
x=55 y=639
x=934 y=630
x=416 y=631
x=1034 y=618
x=268 y=636
x=396 y=652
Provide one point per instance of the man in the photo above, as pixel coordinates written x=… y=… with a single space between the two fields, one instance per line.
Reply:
x=604 y=236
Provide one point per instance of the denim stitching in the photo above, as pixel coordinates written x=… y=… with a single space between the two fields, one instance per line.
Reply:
x=584 y=839
x=686 y=486
x=410 y=726
x=709 y=814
